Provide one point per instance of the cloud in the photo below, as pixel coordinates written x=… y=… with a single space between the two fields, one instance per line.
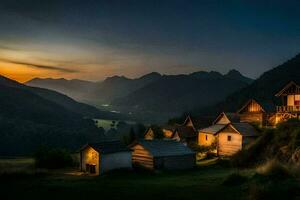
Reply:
x=4 y=47
x=41 y=66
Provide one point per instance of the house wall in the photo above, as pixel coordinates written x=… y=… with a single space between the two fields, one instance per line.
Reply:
x=175 y=162
x=149 y=135
x=252 y=117
x=91 y=157
x=142 y=157
x=228 y=148
x=206 y=142
x=167 y=133
x=290 y=100
x=222 y=120
x=119 y=160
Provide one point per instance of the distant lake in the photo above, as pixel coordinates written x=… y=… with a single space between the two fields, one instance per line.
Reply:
x=106 y=124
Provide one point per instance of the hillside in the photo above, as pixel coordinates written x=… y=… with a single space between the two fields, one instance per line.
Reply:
x=28 y=120
x=96 y=93
x=77 y=89
x=182 y=92
x=263 y=89
x=61 y=99
x=152 y=95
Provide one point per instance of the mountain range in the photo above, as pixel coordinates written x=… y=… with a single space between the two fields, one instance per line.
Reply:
x=30 y=117
x=262 y=89
x=152 y=93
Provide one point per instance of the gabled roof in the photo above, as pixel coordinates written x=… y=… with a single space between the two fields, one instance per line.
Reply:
x=148 y=132
x=170 y=127
x=107 y=147
x=161 y=148
x=231 y=117
x=197 y=122
x=214 y=129
x=287 y=87
x=248 y=103
x=186 y=132
x=245 y=129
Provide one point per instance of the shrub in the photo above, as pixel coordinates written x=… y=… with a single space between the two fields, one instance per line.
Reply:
x=53 y=158
x=274 y=169
x=235 y=179
x=251 y=155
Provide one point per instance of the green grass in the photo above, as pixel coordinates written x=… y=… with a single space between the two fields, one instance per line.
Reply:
x=16 y=165
x=205 y=182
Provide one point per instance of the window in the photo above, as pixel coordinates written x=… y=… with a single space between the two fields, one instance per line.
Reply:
x=229 y=138
x=206 y=137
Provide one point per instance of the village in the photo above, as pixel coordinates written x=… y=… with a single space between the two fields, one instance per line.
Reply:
x=228 y=134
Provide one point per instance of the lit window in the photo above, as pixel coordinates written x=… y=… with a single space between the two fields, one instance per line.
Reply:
x=229 y=138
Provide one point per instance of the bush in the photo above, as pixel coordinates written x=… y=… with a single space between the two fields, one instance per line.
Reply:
x=253 y=154
x=235 y=179
x=274 y=169
x=53 y=158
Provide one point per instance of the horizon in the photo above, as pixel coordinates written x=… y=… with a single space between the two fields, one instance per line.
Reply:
x=131 y=78
x=98 y=39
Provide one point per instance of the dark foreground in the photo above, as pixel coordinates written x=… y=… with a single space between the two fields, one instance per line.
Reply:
x=205 y=182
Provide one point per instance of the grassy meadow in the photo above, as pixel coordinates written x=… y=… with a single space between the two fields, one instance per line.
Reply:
x=210 y=180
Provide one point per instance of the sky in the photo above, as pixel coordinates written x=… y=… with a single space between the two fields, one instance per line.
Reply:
x=94 y=39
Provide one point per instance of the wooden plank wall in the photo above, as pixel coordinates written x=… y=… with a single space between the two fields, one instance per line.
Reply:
x=142 y=157
x=228 y=148
x=252 y=117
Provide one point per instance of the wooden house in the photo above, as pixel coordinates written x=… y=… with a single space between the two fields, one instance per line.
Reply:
x=149 y=134
x=228 y=138
x=185 y=134
x=162 y=154
x=97 y=158
x=290 y=108
x=169 y=130
x=253 y=112
x=226 y=118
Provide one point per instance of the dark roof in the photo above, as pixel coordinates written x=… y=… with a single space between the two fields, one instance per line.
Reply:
x=198 y=122
x=107 y=147
x=170 y=127
x=290 y=84
x=186 y=132
x=214 y=129
x=161 y=148
x=232 y=117
x=245 y=129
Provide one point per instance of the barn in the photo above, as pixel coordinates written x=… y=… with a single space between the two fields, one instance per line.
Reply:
x=97 y=158
x=162 y=154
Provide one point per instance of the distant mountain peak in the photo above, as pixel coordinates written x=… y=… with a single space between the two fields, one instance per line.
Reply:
x=205 y=74
x=152 y=75
x=235 y=74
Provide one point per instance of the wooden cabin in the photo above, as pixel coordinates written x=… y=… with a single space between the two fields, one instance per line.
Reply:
x=196 y=122
x=185 y=134
x=253 y=112
x=169 y=131
x=149 y=134
x=226 y=118
x=97 y=158
x=227 y=134
x=162 y=154
x=290 y=108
